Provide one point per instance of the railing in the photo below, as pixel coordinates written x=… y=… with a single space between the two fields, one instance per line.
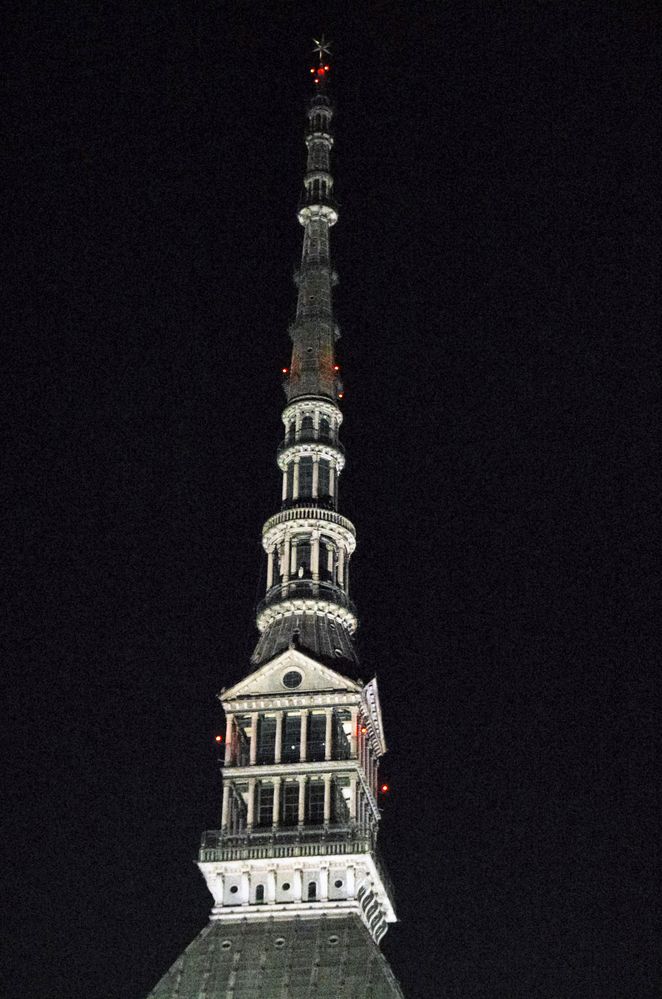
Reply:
x=261 y=844
x=305 y=589
x=273 y=842
x=306 y=437
x=309 y=513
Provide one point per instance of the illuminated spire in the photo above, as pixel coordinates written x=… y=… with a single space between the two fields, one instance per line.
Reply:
x=293 y=868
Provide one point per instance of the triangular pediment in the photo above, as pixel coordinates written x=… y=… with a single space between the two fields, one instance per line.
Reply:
x=272 y=679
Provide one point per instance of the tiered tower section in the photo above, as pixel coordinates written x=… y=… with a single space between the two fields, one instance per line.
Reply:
x=303 y=739
x=308 y=543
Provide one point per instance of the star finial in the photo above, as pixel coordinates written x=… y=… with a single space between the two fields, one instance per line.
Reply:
x=322 y=46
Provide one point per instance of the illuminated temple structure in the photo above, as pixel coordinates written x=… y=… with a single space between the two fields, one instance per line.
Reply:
x=301 y=898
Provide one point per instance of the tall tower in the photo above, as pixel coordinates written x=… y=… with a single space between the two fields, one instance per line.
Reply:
x=301 y=898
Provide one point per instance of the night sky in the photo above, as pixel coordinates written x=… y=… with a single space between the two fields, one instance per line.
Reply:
x=497 y=250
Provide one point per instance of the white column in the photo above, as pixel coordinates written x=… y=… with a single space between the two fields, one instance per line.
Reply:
x=285 y=565
x=284 y=490
x=270 y=568
x=315 y=555
x=229 y=720
x=327 y=799
x=316 y=474
x=278 y=746
x=297 y=885
x=253 y=745
x=302 y=800
x=341 y=566
x=303 y=746
x=324 y=884
x=350 y=881
x=328 y=734
x=332 y=478
x=353 y=738
x=295 y=486
x=352 y=797
x=225 y=811
x=250 y=814
x=245 y=888
x=276 y=815
x=271 y=886
x=220 y=889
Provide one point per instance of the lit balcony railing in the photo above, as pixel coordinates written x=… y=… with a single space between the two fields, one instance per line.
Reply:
x=306 y=589
x=309 y=437
x=303 y=841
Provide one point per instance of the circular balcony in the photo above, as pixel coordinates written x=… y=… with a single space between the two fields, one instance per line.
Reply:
x=300 y=595
x=305 y=515
x=321 y=441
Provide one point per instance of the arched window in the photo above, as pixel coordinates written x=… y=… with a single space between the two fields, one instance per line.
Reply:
x=325 y=429
x=259 y=894
x=312 y=891
x=305 y=476
x=323 y=489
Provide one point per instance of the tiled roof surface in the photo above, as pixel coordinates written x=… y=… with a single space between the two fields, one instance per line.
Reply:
x=324 y=958
x=319 y=634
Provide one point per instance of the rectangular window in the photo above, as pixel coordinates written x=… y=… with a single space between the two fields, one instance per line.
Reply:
x=316 y=736
x=265 y=804
x=306 y=477
x=266 y=742
x=290 y=481
x=290 y=803
x=291 y=739
x=315 y=802
x=341 y=747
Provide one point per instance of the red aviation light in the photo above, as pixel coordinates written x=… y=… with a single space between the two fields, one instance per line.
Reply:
x=321 y=70
x=384 y=788
x=218 y=738
x=336 y=367
x=284 y=371
x=363 y=730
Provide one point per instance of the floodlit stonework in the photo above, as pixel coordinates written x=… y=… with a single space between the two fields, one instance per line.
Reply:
x=301 y=897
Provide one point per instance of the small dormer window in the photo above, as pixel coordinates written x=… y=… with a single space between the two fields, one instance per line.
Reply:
x=292 y=679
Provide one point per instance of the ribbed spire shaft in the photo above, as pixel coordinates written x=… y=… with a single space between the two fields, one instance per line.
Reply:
x=314 y=331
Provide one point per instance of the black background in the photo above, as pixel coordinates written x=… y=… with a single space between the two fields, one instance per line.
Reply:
x=497 y=253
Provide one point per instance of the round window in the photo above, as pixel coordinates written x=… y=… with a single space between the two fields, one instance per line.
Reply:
x=226 y=945
x=234 y=890
x=333 y=940
x=337 y=884
x=279 y=942
x=286 y=886
x=292 y=679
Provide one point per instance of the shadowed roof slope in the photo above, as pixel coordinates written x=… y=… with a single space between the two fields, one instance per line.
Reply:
x=323 y=958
